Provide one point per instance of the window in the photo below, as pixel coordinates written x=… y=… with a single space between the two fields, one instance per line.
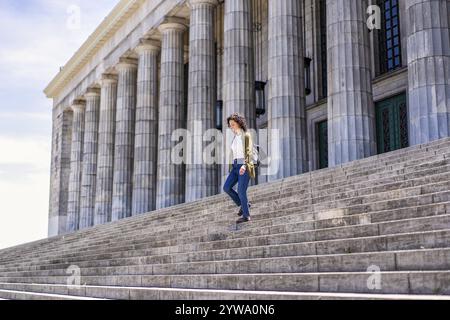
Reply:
x=392 y=123
x=322 y=144
x=389 y=36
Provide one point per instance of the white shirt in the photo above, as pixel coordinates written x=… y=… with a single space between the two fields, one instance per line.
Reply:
x=237 y=147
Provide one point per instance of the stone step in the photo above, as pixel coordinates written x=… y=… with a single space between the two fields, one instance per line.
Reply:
x=404 y=241
x=406 y=260
x=391 y=282
x=151 y=247
x=142 y=293
x=288 y=225
x=437 y=144
x=325 y=176
x=313 y=233
x=257 y=208
x=358 y=209
x=415 y=212
x=392 y=156
x=390 y=189
x=23 y=295
x=393 y=242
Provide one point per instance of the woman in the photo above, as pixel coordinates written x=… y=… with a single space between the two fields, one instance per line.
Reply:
x=241 y=167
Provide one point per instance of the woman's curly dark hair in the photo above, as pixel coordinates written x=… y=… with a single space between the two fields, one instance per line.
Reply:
x=239 y=119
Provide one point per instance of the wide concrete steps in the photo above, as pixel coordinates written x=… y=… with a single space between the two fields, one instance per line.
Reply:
x=187 y=210
x=278 y=214
x=155 y=293
x=322 y=235
x=312 y=242
x=122 y=231
x=419 y=195
x=24 y=295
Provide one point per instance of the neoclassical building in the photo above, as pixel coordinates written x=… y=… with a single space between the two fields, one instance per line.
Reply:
x=335 y=87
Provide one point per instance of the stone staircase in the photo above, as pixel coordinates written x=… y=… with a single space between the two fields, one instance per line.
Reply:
x=328 y=234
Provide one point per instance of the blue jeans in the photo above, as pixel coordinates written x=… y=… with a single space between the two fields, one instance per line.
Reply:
x=240 y=197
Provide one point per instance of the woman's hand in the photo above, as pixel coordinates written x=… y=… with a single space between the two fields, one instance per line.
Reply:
x=242 y=171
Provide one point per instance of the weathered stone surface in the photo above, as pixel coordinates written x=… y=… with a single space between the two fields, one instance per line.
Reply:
x=287 y=109
x=428 y=69
x=351 y=113
x=90 y=152
x=106 y=141
x=298 y=252
x=244 y=53
x=76 y=165
x=60 y=171
x=238 y=70
x=124 y=139
x=170 y=188
x=146 y=131
x=201 y=177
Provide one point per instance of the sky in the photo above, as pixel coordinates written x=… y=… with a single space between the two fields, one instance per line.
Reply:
x=37 y=37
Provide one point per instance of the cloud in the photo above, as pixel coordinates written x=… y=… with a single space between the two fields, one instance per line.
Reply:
x=24 y=189
x=35 y=43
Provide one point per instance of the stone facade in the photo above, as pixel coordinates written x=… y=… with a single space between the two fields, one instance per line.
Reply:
x=156 y=66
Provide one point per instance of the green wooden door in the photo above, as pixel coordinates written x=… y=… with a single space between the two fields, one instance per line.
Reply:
x=322 y=135
x=392 y=124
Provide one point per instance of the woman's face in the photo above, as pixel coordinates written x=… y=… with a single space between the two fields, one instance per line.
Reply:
x=234 y=126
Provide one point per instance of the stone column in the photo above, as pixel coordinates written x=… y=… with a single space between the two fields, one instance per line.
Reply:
x=124 y=140
x=76 y=163
x=428 y=69
x=351 y=119
x=170 y=176
x=201 y=178
x=286 y=105
x=219 y=21
x=239 y=76
x=90 y=149
x=238 y=66
x=146 y=135
x=105 y=160
x=60 y=170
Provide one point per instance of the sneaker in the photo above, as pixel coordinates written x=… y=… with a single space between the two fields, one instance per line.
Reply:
x=242 y=219
x=240 y=213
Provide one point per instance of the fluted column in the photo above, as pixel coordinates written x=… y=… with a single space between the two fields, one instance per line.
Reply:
x=170 y=176
x=428 y=69
x=286 y=105
x=76 y=165
x=238 y=66
x=105 y=160
x=351 y=123
x=239 y=75
x=146 y=133
x=219 y=80
x=124 y=140
x=201 y=178
x=90 y=149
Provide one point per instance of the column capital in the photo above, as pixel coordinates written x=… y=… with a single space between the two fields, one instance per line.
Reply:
x=193 y=3
x=173 y=23
x=78 y=105
x=127 y=63
x=148 y=45
x=92 y=92
x=108 y=78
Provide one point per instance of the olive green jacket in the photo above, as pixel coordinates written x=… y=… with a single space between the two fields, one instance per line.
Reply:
x=247 y=142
